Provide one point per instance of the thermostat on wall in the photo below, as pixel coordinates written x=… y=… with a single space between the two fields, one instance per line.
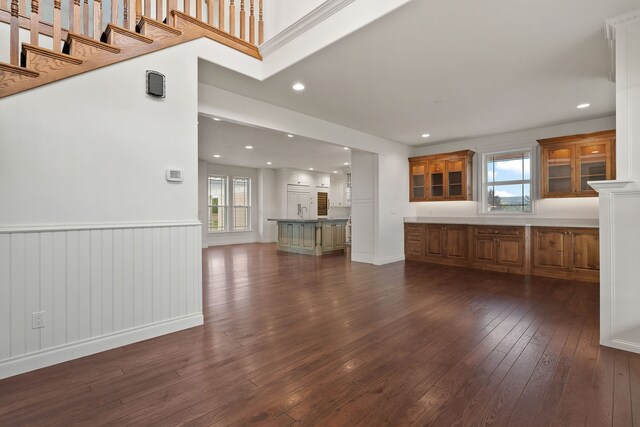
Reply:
x=174 y=175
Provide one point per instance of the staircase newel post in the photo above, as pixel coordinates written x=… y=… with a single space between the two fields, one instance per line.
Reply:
x=35 y=23
x=260 y=25
x=14 y=36
x=252 y=24
x=97 y=19
x=57 y=25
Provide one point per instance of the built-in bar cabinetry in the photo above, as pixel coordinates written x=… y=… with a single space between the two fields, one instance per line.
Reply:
x=569 y=162
x=571 y=253
x=441 y=177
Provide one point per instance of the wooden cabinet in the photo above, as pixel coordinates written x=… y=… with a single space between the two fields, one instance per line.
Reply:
x=442 y=243
x=569 y=162
x=499 y=249
x=441 y=177
x=569 y=253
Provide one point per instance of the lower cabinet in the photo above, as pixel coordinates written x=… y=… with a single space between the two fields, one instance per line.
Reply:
x=571 y=253
x=567 y=253
x=499 y=249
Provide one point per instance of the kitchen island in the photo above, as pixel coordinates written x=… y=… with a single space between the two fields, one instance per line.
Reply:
x=311 y=236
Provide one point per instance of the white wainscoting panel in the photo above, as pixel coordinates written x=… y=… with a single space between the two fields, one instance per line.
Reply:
x=94 y=283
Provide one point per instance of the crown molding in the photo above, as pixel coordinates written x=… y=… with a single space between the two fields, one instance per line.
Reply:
x=610 y=185
x=610 y=33
x=304 y=24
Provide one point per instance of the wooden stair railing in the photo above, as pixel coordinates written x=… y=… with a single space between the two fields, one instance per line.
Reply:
x=87 y=44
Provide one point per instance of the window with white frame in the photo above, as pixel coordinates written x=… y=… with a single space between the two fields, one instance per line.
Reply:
x=241 y=204
x=229 y=204
x=507 y=182
x=217 y=203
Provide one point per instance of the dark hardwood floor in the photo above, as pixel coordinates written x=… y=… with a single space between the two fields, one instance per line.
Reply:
x=321 y=341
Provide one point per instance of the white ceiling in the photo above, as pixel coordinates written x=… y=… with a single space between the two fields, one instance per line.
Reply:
x=230 y=139
x=455 y=69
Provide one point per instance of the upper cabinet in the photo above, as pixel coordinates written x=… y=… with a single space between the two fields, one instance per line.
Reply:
x=441 y=177
x=569 y=162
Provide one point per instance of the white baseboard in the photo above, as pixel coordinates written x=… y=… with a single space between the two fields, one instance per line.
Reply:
x=362 y=257
x=52 y=356
x=388 y=259
x=622 y=345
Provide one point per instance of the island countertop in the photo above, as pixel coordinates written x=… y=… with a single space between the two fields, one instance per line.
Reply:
x=308 y=220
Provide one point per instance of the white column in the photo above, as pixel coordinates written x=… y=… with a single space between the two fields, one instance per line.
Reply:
x=620 y=199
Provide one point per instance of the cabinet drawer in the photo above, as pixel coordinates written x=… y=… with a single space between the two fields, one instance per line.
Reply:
x=414 y=237
x=414 y=228
x=499 y=231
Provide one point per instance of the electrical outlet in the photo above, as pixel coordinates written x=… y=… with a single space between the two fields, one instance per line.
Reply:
x=37 y=319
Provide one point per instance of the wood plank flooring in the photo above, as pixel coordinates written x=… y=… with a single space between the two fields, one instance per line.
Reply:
x=294 y=339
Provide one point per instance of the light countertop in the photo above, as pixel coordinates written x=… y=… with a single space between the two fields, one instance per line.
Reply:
x=513 y=221
x=308 y=220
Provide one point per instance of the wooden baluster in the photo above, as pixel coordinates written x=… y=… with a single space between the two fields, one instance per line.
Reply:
x=252 y=25
x=243 y=19
x=85 y=18
x=3 y=4
x=125 y=14
x=199 y=10
x=97 y=19
x=159 y=16
x=35 y=23
x=131 y=23
x=232 y=17
x=57 y=25
x=260 y=25
x=114 y=12
x=187 y=7
x=138 y=12
x=210 y=12
x=22 y=7
x=171 y=5
x=74 y=16
x=147 y=8
x=221 y=14
x=14 y=35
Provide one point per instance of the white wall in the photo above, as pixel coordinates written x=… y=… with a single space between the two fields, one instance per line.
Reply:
x=267 y=205
x=586 y=207
x=279 y=14
x=86 y=212
x=364 y=203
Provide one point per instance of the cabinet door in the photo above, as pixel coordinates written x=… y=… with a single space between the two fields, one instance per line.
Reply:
x=585 y=253
x=551 y=247
x=558 y=171
x=456 y=241
x=418 y=182
x=484 y=249
x=593 y=163
x=434 y=241
x=455 y=180
x=414 y=240
x=437 y=180
x=510 y=251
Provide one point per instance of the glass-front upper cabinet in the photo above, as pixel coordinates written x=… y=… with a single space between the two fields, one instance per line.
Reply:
x=441 y=177
x=570 y=162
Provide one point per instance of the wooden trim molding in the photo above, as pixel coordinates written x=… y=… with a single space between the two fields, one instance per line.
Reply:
x=18 y=70
x=94 y=43
x=307 y=22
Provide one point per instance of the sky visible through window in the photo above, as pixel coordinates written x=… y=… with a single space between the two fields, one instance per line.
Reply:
x=509 y=182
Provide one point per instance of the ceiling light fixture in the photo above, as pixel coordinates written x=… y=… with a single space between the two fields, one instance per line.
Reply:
x=249 y=147
x=216 y=119
x=298 y=87
x=269 y=163
x=585 y=105
x=335 y=171
x=310 y=169
x=346 y=163
x=290 y=136
x=426 y=135
x=217 y=156
x=346 y=148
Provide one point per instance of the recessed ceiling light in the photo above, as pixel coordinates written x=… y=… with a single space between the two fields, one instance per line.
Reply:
x=585 y=105
x=346 y=148
x=269 y=163
x=310 y=169
x=335 y=171
x=346 y=163
x=290 y=136
x=298 y=87
x=217 y=156
x=216 y=119
x=249 y=147
x=426 y=135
